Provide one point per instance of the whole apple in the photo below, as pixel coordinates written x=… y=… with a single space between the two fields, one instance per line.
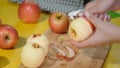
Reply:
x=59 y=22
x=29 y=12
x=80 y=29
x=8 y=36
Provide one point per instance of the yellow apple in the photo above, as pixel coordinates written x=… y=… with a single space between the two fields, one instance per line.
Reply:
x=80 y=29
x=32 y=55
x=40 y=39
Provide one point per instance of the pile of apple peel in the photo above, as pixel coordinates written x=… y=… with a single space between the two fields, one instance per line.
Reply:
x=35 y=50
x=62 y=52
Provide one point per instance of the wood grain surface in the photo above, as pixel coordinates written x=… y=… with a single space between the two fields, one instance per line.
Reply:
x=85 y=58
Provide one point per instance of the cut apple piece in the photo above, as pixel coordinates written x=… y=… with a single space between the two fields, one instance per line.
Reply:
x=80 y=29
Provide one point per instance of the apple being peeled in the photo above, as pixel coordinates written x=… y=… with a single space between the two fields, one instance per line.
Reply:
x=80 y=29
x=59 y=22
x=29 y=11
x=8 y=36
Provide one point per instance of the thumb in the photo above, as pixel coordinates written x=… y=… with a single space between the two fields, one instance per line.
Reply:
x=90 y=17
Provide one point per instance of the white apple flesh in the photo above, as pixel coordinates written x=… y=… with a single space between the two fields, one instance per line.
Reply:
x=80 y=29
x=40 y=39
x=32 y=55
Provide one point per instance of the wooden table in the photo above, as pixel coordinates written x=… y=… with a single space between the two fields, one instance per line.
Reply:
x=11 y=58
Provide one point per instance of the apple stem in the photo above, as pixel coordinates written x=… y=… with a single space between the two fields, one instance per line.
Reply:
x=59 y=16
x=36 y=35
x=7 y=37
x=36 y=45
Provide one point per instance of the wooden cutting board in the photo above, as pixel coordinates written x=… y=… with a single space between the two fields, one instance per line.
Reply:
x=85 y=58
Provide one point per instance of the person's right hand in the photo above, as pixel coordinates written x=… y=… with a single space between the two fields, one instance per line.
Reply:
x=102 y=6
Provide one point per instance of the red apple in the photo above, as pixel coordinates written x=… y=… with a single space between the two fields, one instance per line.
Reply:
x=8 y=36
x=29 y=12
x=59 y=22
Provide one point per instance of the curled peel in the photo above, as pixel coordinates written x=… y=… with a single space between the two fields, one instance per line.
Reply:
x=61 y=52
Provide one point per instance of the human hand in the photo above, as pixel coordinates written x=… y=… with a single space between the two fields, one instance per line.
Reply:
x=102 y=35
x=102 y=6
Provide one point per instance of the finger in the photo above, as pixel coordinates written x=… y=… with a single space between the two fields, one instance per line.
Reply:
x=80 y=14
x=92 y=18
x=101 y=17
x=79 y=44
x=105 y=17
x=96 y=15
x=89 y=5
x=108 y=18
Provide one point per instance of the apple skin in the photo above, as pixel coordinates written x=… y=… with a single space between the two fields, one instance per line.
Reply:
x=80 y=29
x=29 y=12
x=8 y=36
x=59 y=22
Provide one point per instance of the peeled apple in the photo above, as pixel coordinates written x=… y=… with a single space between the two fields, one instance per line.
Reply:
x=32 y=55
x=35 y=50
x=39 y=39
x=80 y=29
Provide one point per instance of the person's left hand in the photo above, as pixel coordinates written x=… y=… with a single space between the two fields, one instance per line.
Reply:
x=102 y=34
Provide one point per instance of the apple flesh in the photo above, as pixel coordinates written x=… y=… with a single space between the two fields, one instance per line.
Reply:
x=59 y=22
x=35 y=50
x=8 y=36
x=40 y=39
x=80 y=29
x=32 y=55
